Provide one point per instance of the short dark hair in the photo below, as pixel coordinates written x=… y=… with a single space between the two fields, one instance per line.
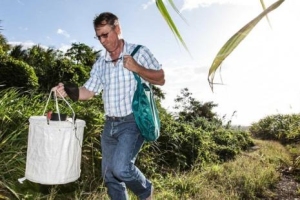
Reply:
x=104 y=19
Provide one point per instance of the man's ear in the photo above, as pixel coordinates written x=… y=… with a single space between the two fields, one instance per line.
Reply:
x=118 y=29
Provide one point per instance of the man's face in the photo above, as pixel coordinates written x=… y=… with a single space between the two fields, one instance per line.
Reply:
x=108 y=36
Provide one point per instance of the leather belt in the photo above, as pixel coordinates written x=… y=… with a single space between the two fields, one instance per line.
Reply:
x=112 y=118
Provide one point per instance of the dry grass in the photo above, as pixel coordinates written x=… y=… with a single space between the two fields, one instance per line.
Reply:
x=250 y=176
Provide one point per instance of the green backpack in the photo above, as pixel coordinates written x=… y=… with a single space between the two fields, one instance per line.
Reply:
x=144 y=109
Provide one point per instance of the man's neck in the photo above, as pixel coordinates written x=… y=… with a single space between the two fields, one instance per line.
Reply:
x=116 y=53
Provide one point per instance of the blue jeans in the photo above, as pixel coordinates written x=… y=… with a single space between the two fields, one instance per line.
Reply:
x=120 y=143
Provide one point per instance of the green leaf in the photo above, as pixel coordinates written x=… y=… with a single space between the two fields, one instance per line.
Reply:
x=175 y=8
x=235 y=40
x=164 y=12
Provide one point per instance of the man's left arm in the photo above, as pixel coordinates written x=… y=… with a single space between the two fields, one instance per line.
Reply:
x=155 y=77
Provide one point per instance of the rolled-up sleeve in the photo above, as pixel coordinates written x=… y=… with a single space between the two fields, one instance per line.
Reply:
x=94 y=83
x=147 y=59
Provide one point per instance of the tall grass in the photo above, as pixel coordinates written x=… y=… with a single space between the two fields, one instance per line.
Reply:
x=248 y=175
x=15 y=110
x=251 y=175
x=14 y=114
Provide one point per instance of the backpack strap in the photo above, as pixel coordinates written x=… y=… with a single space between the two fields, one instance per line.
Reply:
x=137 y=77
x=135 y=50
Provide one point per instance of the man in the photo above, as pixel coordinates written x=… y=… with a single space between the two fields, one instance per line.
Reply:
x=121 y=139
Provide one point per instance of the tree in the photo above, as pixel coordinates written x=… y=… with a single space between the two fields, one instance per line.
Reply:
x=82 y=54
x=15 y=73
x=18 y=52
x=50 y=66
x=3 y=43
x=42 y=60
x=190 y=109
x=158 y=92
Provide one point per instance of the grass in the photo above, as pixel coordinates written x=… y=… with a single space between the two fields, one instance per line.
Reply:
x=251 y=175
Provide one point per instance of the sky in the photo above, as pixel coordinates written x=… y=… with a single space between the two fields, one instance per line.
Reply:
x=260 y=78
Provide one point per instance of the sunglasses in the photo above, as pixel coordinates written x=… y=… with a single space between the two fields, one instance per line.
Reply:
x=104 y=35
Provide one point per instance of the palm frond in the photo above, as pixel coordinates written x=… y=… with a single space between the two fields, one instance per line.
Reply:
x=264 y=8
x=165 y=14
x=235 y=40
x=176 y=10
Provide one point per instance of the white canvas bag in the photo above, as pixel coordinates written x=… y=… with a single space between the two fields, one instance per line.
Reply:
x=54 y=149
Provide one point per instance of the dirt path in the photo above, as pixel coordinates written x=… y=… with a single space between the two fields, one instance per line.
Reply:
x=287 y=189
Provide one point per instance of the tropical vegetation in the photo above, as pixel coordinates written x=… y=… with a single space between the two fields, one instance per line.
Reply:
x=199 y=154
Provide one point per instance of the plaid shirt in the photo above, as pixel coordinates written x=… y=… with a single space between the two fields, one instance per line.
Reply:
x=117 y=82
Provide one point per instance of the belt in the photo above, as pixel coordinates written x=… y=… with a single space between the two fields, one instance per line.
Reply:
x=111 y=118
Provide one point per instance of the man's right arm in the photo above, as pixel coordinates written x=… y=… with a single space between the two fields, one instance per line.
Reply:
x=85 y=94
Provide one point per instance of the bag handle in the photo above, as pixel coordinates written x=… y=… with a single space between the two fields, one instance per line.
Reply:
x=137 y=77
x=135 y=50
x=56 y=105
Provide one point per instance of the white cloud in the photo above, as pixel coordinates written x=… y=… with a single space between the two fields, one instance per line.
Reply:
x=193 y=4
x=63 y=32
x=149 y=3
x=190 y=76
x=26 y=44
x=29 y=44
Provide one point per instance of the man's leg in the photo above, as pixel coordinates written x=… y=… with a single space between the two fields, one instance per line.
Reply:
x=129 y=144
x=116 y=188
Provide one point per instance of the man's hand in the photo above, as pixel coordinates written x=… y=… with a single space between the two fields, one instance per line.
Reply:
x=60 y=90
x=130 y=64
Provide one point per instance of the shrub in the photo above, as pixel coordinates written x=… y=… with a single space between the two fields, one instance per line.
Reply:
x=284 y=128
x=14 y=73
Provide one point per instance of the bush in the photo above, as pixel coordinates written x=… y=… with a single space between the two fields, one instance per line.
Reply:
x=14 y=73
x=181 y=146
x=283 y=128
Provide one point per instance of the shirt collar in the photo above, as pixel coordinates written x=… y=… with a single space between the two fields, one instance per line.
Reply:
x=107 y=57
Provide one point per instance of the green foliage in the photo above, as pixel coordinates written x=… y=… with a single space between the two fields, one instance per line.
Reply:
x=65 y=71
x=183 y=145
x=158 y=93
x=230 y=143
x=252 y=175
x=284 y=128
x=92 y=112
x=15 y=109
x=236 y=39
x=50 y=66
x=197 y=138
x=4 y=46
x=190 y=109
x=82 y=54
x=14 y=73
x=18 y=52
x=180 y=147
